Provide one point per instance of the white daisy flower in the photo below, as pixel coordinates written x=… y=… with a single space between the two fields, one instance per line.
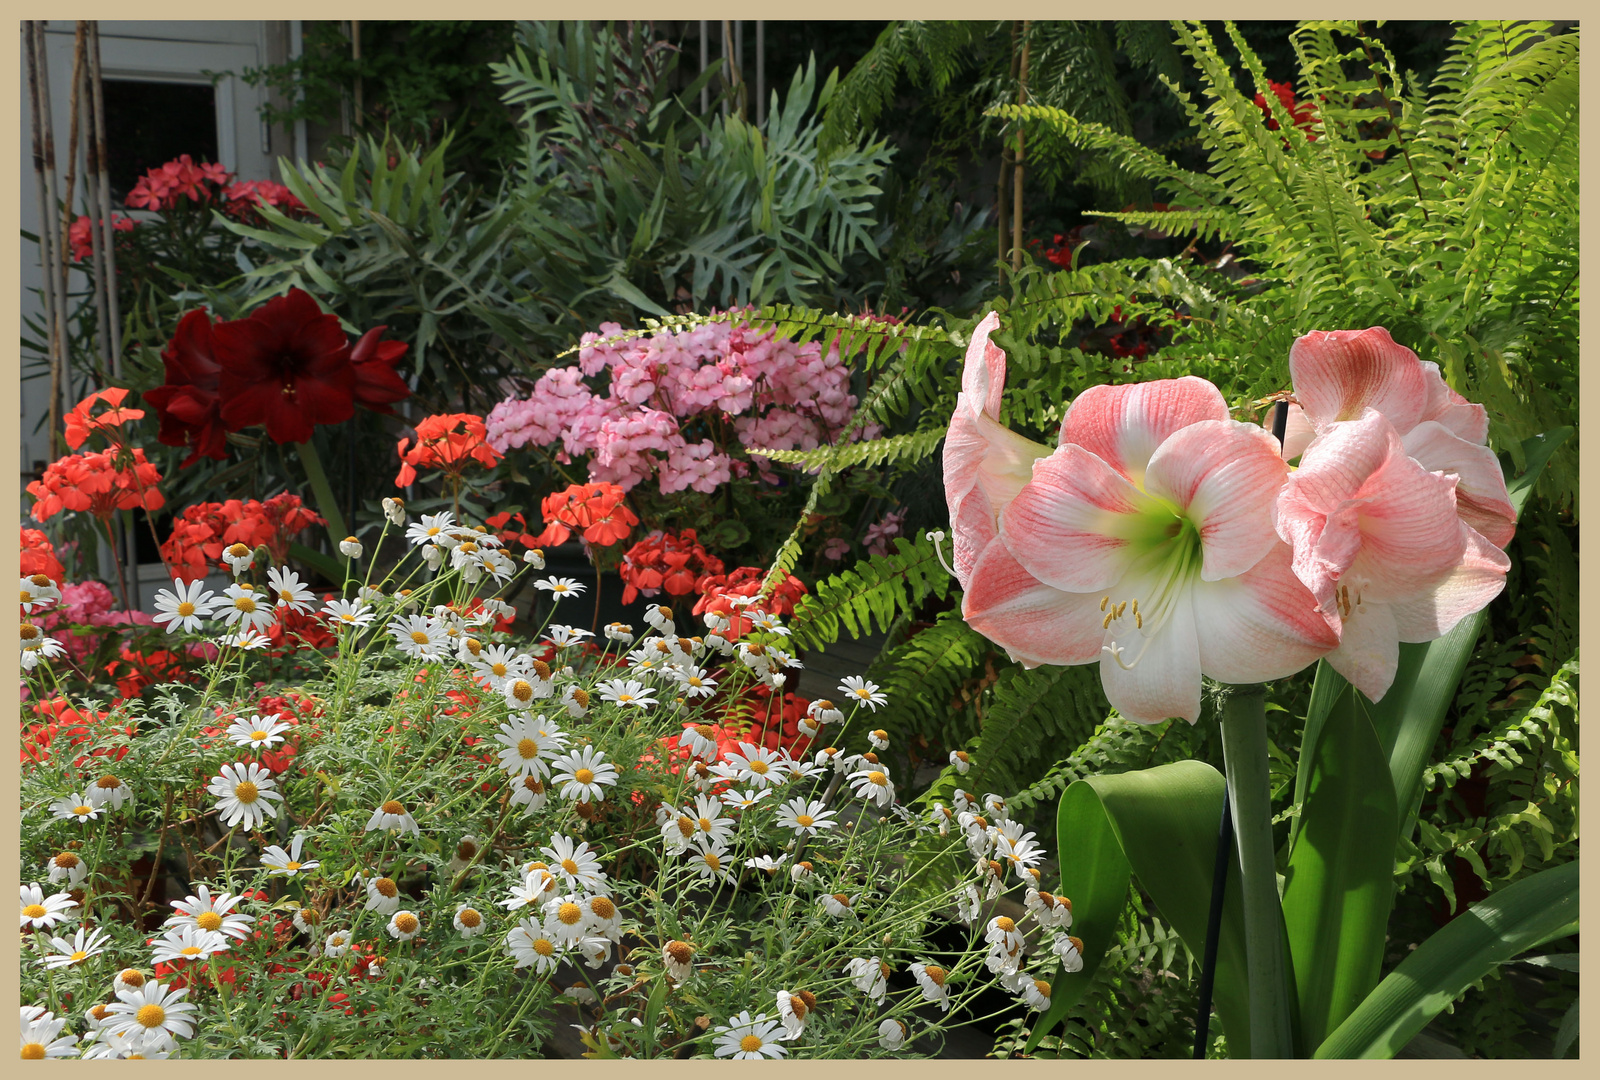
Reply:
x=335 y=944
x=348 y=613
x=824 y=711
x=246 y=609
x=619 y=632
x=746 y=1038
x=37 y=647
x=534 y=557
x=38 y=593
x=383 y=895
x=433 y=555
x=245 y=794
x=627 y=692
x=533 y=947
x=744 y=800
x=430 y=529
x=677 y=956
x=793 y=1010
x=873 y=785
x=700 y=740
x=677 y=830
x=870 y=975
x=1069 y=950
x=806 y=818
x=530 y=793
x=584 y=775
x=892 y=1034
x=1049 y=910
x=768 y=863
x=961 y=760
x=1036 y=992
x=931 y=978
x=350 y=547
x=563 y=636
x=421 y=637
x=706 y=814
x=395 y=510
x=75 y=807
x=42 y=1038
x=522 y=691
x=262 y=732
x=767 y=624
x=802 y=872
x=659 y=616
x=578 y=866
x=393 y=815
x=799 y=769
x=281 y=863
x=596 y=951
x=188 y=942
x=250 y=640
x=497 y=663
x=205 y=913
x=566 y=919
x=560 y=588
x=289 y=591
x=839 y=905
x=862 y=692
x=185 y=607
x=404 y=925
x=150 y=1017
x=994 y=804
x=829 y=755
x=576 y=699
x=76 y=950
x=709 y=857
x=469 y=921
x=879 y=739
x=238 y=557
x=1005 y=942
x=66 y=866
x=128 y=979
x=753 y=765
x=695 y=681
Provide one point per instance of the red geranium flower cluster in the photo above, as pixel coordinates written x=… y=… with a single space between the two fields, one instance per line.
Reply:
x=79 y=239
x=39 y=556
x=448 y=442
x=597 y=509
x=204 y=530
x=718 y=590
x=509 y=534
x=663 y=560
x=64 y=728
x=80 y=423
x=287 y=366
x=100 y=482
x=1300 y=112
x=134 y=669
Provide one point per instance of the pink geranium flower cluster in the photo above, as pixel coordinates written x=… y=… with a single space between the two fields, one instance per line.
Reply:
x=164 y=186
x=725 y=380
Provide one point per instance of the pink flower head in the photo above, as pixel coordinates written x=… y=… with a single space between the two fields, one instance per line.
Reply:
x=1340 y=373
x=1151 y=522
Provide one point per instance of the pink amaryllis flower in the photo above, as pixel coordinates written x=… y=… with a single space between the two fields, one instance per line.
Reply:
x=1380 y=541
x=1145 y=541
x=1339 y=373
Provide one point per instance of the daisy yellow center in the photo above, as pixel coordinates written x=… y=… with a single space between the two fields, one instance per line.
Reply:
x=469 y=918
x=34 y=911
x=186 y=609
x=544 y=947
x=541 y=669
x=1005 y=924
x=151 y=1016
x=499 y=670
x=466 y=850
x=877 y=778
x=805 y=820
x=569 y=866
x=584 y=776
x=291 y=865
x=66 y=860
x=386 y=887
x=246 y=792
x=1042 y=986
x=406 y=924
x=686 y=826
x=844 y=901
x=309 y=916
x=522 y=690
x=191 y=950
x=83 y=811
x=418 y=637
x=750 y=1044
x=759 y=767
x=132 y=978
x=29 y=631
x=603 y=907
x=434 y=530
x=797 y=1007
x=624 y=698
x=695 y=681
x=108 y=783
x=569 y=913
x=392 y=807
x=286 y=595
x=27 y=597
x=208 y=920
x=244 y=603
x=259 y=735
x=238 y=551
x=581 y=696
x=32 y=1052
x=863 y=692
x=713 y=860
x=532 y=784
x=935 y=974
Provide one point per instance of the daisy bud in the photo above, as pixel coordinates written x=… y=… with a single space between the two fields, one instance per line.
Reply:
x=395 y=511
x=433 y=554
x=961 y=760
x=892 y=1034
x=534 y=558
x=350 y=547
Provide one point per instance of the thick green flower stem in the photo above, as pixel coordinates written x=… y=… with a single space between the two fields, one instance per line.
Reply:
x=1244 y=752
x=326 y=503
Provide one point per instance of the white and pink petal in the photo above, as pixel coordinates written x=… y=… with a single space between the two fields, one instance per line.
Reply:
x=1481 y=497
x=1263 y=624
x=1033 y=622
x=1225 y=477
x=1123 y=425
x=1338 y=373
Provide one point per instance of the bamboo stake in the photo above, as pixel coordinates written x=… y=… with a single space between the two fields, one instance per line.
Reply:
x=51 y=247
x=1017 y=168
x=47 y=292
x=97 y=251
x=73 y=99
x=97 y=114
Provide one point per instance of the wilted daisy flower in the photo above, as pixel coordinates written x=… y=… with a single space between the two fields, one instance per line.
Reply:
x=863 y=692
x=41 y=912
x=677 y=956
x=151 y=1018
x=961 y=760
x=620 y=632
x=793 y=1009
x=188 y=943
x=744 y=800
x=994 y=804
x=42 y=1038
x=245 y=794
x=404 y=925
x=395 y=511
x=469 y=921
x=249 y=640
x=767 y=862
x=931 y=978
x=533 y=947
x=185 y=606
x=350 y=547
x=464 y=855
x=286 y=863
x=429 y=529
x=37 y=646
x=383 y=895
x=749 y=1038
x=289 y=591
x=700 y=740
x=38 y=593
x=1070 y=951
x=393 y=815
x=1005 y=944
x=68 y=867
x=584 y=775
x=239 y=558
x=873 y=785
x=801 y=872
x=806 y=818
x=128 y=979
x=578 y=866
x=75 y=807
x=870 y=975
x=246 y=609
x=576 y=699
x=77 y=950
x=420 y=637
x=433 y=555
x=258 y=731
x=348 y=613
x=892 y=1034
x=627 y=692
x=306 y=919
x=336 y=944
x=529 y=793
x=839 y=905
x=879 y=739
x=560 y=588
x=521 y=691
x=206 y=913
x=534 y=557
x=110 y=789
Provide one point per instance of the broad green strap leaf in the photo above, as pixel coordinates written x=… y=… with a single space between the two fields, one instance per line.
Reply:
x=1519 y=917
x=1340 y=881
x=1160 y=824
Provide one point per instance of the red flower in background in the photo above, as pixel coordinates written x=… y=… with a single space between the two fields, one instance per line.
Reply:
x=287 y=366
x=39 y=556
x=242 y=199
x=719 y=589
x=100 y=482
x=596 y=508
x=448 y=441
x=81 y=424
x=517 y=535
x=78 y=236
x=189 y=403
x=204 y=530
x=664 y=560
x=377 y=386
x=180 y=178
x=1300 y=112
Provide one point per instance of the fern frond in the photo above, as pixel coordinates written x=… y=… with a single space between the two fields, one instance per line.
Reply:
x=895 y=450
x=877 y=588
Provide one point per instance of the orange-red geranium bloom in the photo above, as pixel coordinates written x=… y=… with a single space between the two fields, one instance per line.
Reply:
x=447 y=442
x=80 y=424
x=669 y=561
x=100 y=482
x=39 y=557
x=597 y=509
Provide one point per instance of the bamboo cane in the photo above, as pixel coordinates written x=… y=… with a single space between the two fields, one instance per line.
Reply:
x=50 y=239
x=1017 y=168
x=73 y=99
x=97 y=113
x=46 y=293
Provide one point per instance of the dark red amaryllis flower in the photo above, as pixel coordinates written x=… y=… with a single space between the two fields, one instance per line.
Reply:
x=188 y=404
x=287 y=366
x=377 y=385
